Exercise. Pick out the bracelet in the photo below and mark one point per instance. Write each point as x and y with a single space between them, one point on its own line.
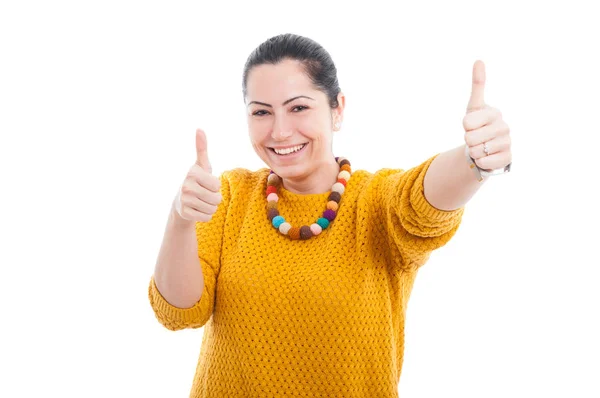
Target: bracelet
481 173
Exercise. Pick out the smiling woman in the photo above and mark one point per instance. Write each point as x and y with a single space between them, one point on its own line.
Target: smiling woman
294 104
312 289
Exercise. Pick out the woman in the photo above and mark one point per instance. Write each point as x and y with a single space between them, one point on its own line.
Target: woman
301 272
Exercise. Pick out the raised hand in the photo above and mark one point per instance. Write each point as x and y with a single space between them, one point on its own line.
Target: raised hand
199 195
486 134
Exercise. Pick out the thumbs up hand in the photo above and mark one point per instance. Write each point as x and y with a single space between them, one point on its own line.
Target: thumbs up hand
486 134
199 195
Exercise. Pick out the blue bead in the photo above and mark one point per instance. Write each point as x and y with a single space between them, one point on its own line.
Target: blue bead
323 222
277 221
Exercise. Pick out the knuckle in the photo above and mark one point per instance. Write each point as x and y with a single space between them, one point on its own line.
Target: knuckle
465 122
472 152
185 189
216 183
205 217
469 140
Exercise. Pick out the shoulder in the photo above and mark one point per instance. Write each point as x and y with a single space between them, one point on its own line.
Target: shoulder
364 179
386 173
241 178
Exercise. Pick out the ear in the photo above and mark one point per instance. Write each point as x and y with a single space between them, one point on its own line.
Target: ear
338 112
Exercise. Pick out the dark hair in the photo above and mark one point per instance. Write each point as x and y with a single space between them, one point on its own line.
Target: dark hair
316 61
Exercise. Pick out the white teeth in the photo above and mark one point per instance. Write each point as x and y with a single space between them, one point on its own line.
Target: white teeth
288 150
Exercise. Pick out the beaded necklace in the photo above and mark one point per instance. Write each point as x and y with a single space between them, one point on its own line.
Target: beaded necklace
333 202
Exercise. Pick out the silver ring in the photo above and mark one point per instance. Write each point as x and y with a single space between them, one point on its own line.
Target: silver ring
485 149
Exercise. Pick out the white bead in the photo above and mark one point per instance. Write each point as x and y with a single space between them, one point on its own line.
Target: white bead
272 197
338 187
344 174
285 227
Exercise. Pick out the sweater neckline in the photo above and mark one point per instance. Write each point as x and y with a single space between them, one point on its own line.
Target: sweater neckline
287 196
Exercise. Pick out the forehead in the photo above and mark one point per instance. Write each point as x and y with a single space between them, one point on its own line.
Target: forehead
284 80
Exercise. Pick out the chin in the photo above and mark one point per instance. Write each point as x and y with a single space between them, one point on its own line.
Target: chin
295 169
291 171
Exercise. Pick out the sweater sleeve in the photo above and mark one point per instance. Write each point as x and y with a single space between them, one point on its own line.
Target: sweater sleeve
413 227
210 241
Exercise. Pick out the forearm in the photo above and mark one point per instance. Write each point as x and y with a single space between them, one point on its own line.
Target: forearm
178 274
449 182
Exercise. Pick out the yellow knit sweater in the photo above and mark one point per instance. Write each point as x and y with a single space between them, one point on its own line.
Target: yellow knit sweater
322 317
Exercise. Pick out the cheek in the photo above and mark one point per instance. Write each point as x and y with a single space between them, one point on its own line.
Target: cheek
314 128
258 132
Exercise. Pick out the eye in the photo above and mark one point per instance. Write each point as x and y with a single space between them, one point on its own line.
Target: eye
302 107
261 112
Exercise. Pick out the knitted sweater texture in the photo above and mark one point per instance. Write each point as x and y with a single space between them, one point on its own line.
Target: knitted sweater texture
322 317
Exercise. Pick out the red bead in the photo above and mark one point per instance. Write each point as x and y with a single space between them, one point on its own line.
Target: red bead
342 181
271 189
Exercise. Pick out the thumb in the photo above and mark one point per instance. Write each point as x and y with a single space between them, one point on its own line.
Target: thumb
476 101
202 151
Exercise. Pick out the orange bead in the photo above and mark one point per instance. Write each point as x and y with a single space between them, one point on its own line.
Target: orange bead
347 168
331 205
294 233
342 181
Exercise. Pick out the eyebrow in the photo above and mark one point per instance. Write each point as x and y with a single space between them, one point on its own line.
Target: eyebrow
284 103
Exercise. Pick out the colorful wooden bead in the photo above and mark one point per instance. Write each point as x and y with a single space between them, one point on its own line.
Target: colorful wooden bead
323 222
272 213
316 229
329 214
285 228
277 221
344 174
305 232
294 233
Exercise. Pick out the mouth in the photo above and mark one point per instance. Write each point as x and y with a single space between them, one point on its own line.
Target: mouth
290 151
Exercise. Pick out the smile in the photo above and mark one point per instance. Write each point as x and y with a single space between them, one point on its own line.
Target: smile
290 150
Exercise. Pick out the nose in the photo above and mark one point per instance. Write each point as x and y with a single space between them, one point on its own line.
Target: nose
282 129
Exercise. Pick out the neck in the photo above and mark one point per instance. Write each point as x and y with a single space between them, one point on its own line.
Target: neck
319 181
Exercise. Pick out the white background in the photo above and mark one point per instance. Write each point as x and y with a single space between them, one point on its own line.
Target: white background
99 102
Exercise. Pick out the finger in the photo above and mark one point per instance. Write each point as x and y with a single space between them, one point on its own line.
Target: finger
485 133
477 88
192 214
476 119
498 144
199 205
214 198
495 161
202 151
205 179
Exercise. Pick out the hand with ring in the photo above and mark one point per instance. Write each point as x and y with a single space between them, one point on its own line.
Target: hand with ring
486 134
